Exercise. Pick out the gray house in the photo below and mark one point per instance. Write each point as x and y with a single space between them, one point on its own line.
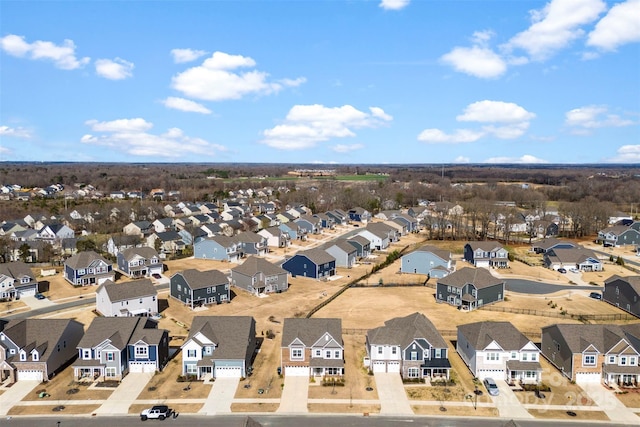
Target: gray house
362 245
197 288
623 292
221 248
581 258
545 245
409 345
259 276
469 288
252 243
428 260
344 252
219 346
16 280
486 254
135 298
139 262
620 235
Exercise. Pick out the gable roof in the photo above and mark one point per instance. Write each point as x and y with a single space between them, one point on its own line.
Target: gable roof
143 251
632 281
551 242
197 279
41 334
481 334
317 256
579 337
440 253
231 334
121 331
342 244
253 265
84 259
16 270
308 331
128 290
479 277
363 241
403 330
487 246
571 255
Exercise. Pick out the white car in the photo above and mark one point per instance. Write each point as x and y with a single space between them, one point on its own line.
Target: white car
491 386
158 412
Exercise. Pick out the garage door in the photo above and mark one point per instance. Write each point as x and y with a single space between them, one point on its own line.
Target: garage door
393 367
30 376
28 292
379 367
140 367
297 371
228 372
588 377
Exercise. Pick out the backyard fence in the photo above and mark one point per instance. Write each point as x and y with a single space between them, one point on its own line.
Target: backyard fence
560 315
446 333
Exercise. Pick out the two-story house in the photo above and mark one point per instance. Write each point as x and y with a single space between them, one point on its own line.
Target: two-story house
139 262
620 235
35 349
500 351
486 254
594 353
428 260
219 346
252 243
221 248
196 288
276 237
259 276
359 214
119 242
314 263
114 346
623 292
362 245
88 268
17 280
581 258
345 253
409 345
312 347
469 288
135 298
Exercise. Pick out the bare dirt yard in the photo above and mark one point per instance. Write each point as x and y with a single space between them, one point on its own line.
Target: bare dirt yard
254 407
165 385
265 375
630 399
334 408
64 387
453 410
558 414
52 409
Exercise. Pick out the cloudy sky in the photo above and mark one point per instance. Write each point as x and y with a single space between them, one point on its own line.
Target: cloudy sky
391 81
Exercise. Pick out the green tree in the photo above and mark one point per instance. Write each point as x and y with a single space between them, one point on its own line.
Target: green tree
25 252
85 245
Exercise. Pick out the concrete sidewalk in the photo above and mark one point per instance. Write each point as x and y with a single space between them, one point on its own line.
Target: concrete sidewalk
609 403
295 395
125 395
508 404
393 399
15 394
221 396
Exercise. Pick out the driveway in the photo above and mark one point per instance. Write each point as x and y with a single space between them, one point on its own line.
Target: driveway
15 394
523 286
35 303
508 404
393 398
221 396
126 393
607 401
295 395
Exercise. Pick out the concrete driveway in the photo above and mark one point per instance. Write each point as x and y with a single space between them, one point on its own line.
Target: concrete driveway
508 404
15 394
221 396
35 303
125 395
393 399
609 403
295 395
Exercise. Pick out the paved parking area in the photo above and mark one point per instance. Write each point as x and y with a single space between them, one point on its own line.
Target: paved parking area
221 396
607 401
295 395
508 404
393 399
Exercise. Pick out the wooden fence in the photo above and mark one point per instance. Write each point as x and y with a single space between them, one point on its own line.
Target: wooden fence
560 315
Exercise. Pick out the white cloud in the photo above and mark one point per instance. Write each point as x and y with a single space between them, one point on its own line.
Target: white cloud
120 125
621 25
503 120
63 56
436 136
18 132
477 61
307 125
584 119
215 79
394 4
186 55
462 159
185 105
116 69
555 26
344 148
130 136
627 154
526 159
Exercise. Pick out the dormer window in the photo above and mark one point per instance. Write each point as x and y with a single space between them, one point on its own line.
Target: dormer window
86 354
25 280
23 356
34 356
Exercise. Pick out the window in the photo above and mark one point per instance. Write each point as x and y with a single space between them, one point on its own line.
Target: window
336 354
534 357
413 372
191 353
623 360
142 351
318 353
179 288
379 349
525 357
192 369
110 372
612 359
207 350
81 272
413 355
394 350
493 356
86 354
109 356
514 355
327 354
589 360
23 356
617 291
556 344
632 361
296 353
438 353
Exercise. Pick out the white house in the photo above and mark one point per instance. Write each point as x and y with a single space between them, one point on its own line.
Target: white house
136 298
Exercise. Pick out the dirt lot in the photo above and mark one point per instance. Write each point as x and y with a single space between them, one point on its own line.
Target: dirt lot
165 385
63 387
562 415
254 407
453 410
49 410
265 375
334 408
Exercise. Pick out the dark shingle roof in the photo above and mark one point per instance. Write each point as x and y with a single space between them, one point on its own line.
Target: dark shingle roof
317 256
479 277
41 334
440 253
486 246
633 281
481 334
143 251
230 334
16 270
84 259
403 330
128 290
120 331
603 337
197 279
253 265
310 330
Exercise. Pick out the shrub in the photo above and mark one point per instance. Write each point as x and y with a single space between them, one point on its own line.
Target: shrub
270 334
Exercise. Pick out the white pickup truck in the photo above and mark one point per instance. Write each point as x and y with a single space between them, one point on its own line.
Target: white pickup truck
158 412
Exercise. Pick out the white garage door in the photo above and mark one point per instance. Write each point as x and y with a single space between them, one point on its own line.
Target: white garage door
393 367
140 367
587 377
297 371
228 372
30 376
379 367
29 292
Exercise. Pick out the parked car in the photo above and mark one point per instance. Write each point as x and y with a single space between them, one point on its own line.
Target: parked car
158 412
562 270
491 386
595 295
574 270
156 276
40 296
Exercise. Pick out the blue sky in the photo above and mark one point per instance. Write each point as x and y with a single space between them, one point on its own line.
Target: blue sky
392 81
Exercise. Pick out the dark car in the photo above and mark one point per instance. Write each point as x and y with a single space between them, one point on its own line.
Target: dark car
595 295
156 276
562 270
40 296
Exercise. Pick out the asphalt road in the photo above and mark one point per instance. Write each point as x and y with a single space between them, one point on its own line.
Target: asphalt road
523 286
287 421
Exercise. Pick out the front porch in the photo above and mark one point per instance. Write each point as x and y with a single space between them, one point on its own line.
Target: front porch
326 367
523 372
621 376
